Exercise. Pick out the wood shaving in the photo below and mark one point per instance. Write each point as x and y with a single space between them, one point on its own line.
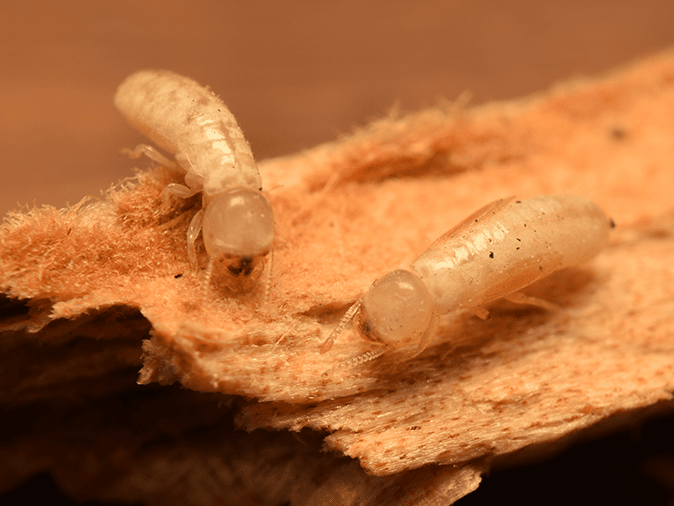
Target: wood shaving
84 285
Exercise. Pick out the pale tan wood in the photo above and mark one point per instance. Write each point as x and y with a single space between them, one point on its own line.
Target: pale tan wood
352 210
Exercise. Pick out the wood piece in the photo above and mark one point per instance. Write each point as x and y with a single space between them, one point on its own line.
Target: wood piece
352 210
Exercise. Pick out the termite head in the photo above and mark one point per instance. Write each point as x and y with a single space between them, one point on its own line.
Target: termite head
238 228
397 310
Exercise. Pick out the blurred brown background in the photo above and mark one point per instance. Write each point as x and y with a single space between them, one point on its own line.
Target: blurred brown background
294 74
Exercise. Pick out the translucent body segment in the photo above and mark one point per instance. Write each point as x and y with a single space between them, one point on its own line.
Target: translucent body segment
509 244
397 309
189 121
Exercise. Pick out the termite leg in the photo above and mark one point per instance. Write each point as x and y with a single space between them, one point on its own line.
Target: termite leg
152 154
520 298
325 347
177 190
480 312
192 234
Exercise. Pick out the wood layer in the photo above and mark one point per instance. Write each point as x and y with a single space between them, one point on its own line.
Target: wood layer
348 212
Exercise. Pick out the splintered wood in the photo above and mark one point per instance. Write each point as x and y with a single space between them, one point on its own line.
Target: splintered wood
83 286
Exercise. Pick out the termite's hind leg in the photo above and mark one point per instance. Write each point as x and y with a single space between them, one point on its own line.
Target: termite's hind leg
520 298
193 232
177 190
480 312
152 154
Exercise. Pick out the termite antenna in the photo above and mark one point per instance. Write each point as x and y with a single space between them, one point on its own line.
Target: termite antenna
151 153
267 282
360 359
343 322
209 273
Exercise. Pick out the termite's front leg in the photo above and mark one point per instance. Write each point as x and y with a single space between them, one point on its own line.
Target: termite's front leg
192 233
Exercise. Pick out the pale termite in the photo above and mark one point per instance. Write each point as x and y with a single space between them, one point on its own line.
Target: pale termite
193 124
500 249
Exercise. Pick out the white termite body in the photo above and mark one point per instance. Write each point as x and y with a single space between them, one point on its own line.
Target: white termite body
500 249
193 124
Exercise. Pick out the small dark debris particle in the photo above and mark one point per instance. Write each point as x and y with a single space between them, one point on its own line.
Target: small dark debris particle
611 223
618 133
178 276
491 254
366 328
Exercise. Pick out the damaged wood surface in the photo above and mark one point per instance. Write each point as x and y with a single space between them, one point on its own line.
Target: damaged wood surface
348 212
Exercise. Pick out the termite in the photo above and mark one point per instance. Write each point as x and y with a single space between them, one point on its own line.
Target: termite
194 125
495 252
